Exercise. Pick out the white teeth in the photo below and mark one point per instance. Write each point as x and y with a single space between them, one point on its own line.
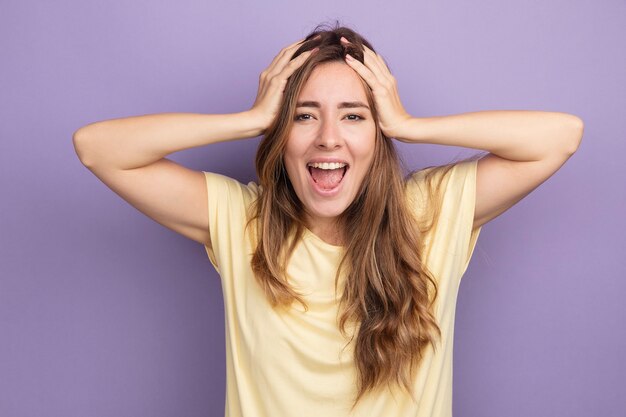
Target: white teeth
327 165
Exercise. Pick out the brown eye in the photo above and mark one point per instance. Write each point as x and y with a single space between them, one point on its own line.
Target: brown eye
300 116
357 117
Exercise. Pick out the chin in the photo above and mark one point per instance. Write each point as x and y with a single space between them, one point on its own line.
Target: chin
326 211
326 214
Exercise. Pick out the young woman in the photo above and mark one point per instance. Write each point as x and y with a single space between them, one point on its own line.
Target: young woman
372 260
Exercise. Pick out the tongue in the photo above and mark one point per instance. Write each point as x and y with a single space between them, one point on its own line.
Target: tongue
327 178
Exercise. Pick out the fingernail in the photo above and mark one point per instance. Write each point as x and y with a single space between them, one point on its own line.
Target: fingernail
314 50
349 57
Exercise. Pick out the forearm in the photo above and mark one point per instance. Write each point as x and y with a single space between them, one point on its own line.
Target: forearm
520 135
132 142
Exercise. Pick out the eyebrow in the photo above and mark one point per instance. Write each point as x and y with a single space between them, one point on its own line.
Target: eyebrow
342 105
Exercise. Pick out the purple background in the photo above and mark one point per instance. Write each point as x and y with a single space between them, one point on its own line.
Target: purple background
103 312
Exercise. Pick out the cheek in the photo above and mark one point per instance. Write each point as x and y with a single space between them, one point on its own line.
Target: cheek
364 148
291 166
295 149
295 146
368 147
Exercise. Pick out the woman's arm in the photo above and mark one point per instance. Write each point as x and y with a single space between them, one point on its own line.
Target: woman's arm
515 135
128 154
134 142
521 135
525 147
137 141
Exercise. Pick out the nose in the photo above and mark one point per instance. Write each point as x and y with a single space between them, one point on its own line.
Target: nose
329 137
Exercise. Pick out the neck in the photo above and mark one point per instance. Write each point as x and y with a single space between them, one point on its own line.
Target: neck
328 230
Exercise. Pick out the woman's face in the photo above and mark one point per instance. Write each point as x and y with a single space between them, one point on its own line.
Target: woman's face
330 147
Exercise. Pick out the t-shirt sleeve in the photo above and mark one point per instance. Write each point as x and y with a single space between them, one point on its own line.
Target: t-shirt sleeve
450 242
228 204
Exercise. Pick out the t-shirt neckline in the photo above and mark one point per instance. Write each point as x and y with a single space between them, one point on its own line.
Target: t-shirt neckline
312 236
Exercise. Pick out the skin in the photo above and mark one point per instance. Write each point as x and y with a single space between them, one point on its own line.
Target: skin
347 134
129 154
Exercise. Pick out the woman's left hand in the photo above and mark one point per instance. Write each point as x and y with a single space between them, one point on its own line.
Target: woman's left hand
391 113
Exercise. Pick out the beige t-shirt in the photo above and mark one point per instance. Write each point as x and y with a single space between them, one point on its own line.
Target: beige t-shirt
286 364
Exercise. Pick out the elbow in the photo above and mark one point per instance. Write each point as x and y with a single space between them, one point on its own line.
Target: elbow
78 138
575 133
80 141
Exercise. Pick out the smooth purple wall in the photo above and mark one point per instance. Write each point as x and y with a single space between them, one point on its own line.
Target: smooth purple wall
103 312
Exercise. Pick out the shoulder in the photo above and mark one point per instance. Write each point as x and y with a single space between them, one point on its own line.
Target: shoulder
222 186
440 187
230 199
446 176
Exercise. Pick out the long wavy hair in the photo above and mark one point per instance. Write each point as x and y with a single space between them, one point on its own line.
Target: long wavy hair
389 292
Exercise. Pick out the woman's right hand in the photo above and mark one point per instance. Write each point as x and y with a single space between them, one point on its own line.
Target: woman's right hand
273 80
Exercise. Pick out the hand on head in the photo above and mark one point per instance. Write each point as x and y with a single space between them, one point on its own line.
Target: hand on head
374 70
392 116
273 79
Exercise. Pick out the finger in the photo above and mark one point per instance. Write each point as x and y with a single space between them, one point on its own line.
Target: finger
282 53
295 63
284 57
277 82
375 58
381 62
374 62
279 79
279 57
377 63
366 73
294 45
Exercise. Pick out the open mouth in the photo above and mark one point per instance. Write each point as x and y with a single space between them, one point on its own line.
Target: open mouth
327 175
